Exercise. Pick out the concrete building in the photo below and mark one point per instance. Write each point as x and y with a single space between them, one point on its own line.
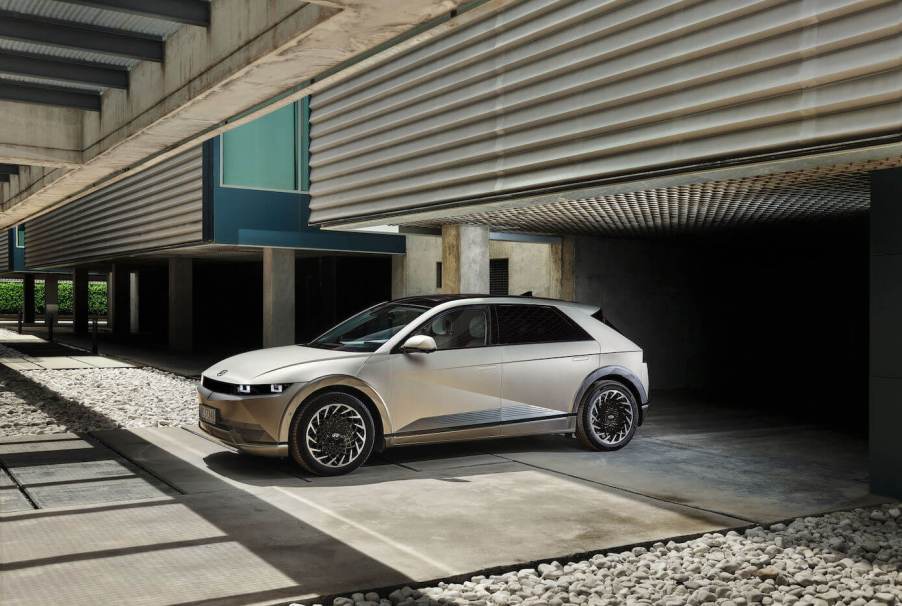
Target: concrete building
722 178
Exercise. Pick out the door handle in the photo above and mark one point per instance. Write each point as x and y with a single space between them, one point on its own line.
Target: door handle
579 358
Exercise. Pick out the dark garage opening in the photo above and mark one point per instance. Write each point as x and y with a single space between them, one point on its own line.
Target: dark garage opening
769 317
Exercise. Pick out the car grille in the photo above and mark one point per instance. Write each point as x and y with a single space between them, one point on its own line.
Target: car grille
219 386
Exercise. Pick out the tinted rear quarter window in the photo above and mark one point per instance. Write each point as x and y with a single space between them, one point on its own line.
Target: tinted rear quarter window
520 324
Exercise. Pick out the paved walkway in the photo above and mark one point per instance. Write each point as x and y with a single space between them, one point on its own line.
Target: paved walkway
223 528
34 353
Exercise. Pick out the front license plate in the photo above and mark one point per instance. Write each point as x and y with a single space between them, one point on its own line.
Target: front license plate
208 414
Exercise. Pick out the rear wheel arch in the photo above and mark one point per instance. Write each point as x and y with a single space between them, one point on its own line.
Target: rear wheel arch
617 373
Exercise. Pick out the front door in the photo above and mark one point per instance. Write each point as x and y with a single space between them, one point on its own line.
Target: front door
454 391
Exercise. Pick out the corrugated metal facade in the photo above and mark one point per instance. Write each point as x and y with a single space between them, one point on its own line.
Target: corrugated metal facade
548 92
157 208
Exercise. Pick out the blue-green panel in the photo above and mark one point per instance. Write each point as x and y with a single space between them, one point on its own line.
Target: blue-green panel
259 217
263 154
17 256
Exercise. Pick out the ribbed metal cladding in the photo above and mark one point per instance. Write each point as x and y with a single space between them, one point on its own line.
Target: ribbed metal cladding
549 92
158 208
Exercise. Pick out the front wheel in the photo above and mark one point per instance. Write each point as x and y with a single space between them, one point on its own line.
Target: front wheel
607 417
332 435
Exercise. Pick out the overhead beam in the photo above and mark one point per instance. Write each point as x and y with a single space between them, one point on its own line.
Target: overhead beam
55 32
192 12
9 169
69 70
49 95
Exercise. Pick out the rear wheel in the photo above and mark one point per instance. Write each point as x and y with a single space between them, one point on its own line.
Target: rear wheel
332 435
607 417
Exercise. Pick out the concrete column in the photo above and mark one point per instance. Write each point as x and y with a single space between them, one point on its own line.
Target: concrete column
181 303
80 306
119 307
563 269
398 276
465 259
278 297
885 406
28 299
134 300
51 291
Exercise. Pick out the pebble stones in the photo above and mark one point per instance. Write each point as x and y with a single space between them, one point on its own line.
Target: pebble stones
852 557
80 400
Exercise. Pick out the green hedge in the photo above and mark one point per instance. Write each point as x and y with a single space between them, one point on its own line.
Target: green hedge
12 297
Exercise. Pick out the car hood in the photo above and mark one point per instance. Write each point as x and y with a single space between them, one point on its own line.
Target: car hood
252 365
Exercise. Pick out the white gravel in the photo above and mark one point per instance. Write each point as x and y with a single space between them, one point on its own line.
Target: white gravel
841 558
79 400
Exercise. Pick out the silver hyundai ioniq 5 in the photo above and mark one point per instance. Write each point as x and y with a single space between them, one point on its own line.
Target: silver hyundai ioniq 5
430 369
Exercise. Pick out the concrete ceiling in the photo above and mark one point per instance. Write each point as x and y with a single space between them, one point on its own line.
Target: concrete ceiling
69 136
802 195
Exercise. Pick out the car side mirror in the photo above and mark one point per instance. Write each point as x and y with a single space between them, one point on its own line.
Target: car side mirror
419 344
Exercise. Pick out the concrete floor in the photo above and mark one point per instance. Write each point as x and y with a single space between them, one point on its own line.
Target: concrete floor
194 523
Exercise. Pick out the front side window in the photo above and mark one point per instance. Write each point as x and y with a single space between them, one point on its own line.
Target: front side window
263 154
458 328
369 329
520 324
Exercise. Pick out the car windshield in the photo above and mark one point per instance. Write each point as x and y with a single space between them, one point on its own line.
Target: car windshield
369 329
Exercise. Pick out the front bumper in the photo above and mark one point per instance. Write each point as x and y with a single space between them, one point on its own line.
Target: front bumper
230 439
250 424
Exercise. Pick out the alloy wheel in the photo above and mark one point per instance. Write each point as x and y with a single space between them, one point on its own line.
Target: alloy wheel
611 416
336 435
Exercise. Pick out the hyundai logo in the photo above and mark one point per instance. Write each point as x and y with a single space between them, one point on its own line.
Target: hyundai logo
221 372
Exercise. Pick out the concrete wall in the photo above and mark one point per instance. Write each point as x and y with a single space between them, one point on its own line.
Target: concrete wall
531 266
768 317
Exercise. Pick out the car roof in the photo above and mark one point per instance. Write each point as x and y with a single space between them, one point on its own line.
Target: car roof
439 299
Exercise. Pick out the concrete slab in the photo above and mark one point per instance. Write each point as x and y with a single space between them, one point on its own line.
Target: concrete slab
12 500
90 493
72 472
102 362
5 480
21 365
59 363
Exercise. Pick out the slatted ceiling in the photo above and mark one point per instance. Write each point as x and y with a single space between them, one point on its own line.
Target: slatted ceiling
154 209
830 191
546 92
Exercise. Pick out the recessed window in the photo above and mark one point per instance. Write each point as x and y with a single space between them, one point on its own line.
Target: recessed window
20 236
438 274
499 277
266 153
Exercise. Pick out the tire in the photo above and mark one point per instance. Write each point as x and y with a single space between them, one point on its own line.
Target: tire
606 432
341 425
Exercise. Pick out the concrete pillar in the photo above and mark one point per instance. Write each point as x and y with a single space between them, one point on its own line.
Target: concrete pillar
398 276
119 308
51 291
181 303
278 297
28 299
563 269
885 401
465 259
80 306
134 300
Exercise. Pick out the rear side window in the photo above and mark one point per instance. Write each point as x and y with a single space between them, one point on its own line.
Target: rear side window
520 324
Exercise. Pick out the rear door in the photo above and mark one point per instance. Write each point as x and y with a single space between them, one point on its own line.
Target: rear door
455 388
546 357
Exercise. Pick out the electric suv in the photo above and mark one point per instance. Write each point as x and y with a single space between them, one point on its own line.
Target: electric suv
430 369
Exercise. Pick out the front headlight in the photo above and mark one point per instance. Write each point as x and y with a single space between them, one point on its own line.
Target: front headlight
262 389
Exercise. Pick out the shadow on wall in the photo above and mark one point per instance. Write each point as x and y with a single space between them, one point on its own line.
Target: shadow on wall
775 316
